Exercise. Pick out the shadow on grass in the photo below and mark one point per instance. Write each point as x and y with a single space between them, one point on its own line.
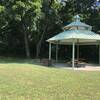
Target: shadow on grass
17 60
9 60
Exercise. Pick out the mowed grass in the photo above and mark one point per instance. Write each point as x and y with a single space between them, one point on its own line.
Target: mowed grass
33 82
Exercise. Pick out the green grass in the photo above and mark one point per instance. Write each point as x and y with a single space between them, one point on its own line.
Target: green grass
32 82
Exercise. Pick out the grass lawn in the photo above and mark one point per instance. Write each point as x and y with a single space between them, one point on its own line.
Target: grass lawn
21 81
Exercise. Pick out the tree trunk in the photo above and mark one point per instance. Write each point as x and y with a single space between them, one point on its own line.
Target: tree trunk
38 47
26 42
27 50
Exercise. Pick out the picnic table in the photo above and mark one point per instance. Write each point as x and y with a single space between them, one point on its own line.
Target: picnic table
78 62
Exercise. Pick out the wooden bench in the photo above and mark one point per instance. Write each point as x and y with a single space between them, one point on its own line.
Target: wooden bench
46 62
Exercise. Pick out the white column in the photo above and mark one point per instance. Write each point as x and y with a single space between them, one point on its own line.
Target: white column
49 51
73 55
99 53
77 50
56 52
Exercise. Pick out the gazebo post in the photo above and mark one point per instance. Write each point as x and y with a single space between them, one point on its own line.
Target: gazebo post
73 55
56 52
99 53
49 51
77 50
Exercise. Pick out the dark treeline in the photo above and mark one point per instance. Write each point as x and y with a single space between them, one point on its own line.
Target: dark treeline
26 24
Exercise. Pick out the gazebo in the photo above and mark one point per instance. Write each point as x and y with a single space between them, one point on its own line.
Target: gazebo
76 33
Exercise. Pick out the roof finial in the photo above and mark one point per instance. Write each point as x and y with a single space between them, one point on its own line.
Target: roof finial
77 18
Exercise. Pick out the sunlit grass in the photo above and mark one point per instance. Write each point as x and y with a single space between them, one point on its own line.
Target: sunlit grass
33 82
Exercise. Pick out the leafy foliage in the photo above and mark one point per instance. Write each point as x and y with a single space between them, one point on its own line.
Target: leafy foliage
26 24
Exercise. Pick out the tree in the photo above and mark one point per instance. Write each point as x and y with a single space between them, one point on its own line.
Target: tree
3 24
48 21
26 24
25 14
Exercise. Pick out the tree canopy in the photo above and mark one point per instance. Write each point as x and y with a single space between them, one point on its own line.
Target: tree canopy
26 24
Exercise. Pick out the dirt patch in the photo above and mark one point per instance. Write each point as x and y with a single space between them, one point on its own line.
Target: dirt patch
89 68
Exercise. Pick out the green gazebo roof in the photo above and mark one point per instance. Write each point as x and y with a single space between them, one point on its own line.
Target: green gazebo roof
77 24
82 36
78 32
